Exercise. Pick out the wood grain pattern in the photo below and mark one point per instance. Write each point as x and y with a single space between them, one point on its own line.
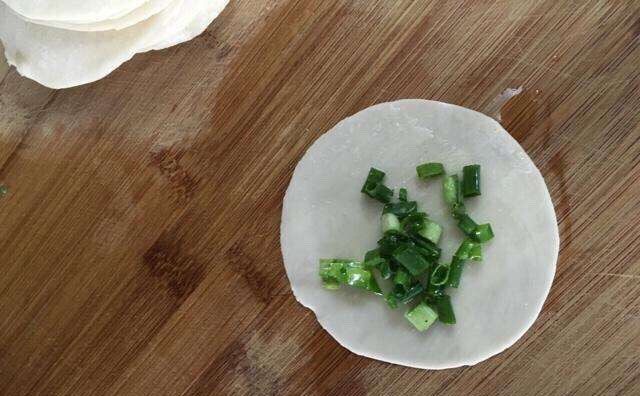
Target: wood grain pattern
139 241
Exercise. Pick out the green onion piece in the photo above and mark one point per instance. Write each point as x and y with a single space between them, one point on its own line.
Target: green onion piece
401 209
374 176
391 300
402 279
431 231
471 181
403 195
412 293
390 242
435 291
380 193
431 169
373 286
476 252
469 249
386 272
467 225
421 316
440 275
428 249
444 309
358 277
333 272
411 259
372 259
450 189
455 272
483 233
414 222
458 210
390 222
374 188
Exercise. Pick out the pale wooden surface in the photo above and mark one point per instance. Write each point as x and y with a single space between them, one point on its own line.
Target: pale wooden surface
139 239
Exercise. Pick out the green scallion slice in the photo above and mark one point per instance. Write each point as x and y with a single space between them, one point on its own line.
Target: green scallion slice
445 309
421 316
372 259
402 279
431 169
450 186
401 209
440 275
390 222
403 195
415 291
483 233
411 259
471 181
476 252
431 231
455 272
391 300
374 188
467 225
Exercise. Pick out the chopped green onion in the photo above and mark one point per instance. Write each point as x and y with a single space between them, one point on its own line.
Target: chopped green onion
455 272
427 248
458 210
445 310
435 291
380 193
391 300
401 209
402 279
430 169
414 222
374 188
358 277
469 250
402 195
390 222
450 189
471 181
390 242
431 231
334 272
467 225
440 275
421 316
374 176
412 293
476 252
483 233
411 259
386 272
372 259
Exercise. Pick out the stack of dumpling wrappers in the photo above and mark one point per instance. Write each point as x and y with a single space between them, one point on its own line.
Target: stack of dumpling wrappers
64 43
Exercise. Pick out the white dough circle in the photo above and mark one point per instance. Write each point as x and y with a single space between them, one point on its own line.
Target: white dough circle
76 11
147 10
59 58
325 216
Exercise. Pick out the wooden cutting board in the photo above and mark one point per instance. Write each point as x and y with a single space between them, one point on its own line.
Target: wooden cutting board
139 237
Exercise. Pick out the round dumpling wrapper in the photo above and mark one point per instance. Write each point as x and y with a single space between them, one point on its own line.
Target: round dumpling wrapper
326 216
188 26
75 11
60 58
148 9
